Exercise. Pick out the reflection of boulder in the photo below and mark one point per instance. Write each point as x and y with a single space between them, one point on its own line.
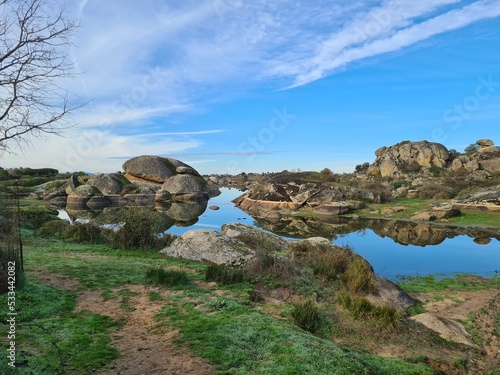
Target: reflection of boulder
482 240
186 211
408 233
81 195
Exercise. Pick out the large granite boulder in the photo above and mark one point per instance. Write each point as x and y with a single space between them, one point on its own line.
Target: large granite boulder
407 157
186 187
156 168
109 183
486 146
209 245
180 180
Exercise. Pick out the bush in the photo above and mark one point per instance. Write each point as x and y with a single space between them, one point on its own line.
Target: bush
53 228
160 276
306 316
223 275
141 228
32 217
362 167
84 233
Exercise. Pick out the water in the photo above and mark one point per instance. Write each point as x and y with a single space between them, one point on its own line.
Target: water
392 247
452 253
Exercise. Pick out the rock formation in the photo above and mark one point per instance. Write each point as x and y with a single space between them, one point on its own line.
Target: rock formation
323 198
237 244
408 156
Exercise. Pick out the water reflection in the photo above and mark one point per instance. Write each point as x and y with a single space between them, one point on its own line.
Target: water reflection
400 231
181 214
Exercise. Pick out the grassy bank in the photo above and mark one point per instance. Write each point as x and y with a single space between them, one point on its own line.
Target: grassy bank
218 323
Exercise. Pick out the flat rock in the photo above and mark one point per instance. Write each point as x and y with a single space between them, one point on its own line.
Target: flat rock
448 329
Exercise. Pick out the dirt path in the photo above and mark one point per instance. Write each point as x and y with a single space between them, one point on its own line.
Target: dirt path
142 349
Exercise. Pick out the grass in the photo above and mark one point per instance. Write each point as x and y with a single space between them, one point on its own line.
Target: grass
52 339
223 275
240 340
435 283
306 315
160 276
467 218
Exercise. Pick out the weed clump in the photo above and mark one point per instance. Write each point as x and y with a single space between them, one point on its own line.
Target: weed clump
223 274
306 316
360 308
358 276
160 276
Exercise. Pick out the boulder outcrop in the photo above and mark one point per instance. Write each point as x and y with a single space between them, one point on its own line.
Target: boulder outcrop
407 157
323 198
108 183
237 245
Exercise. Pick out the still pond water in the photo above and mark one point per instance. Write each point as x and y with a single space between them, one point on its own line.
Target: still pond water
393 248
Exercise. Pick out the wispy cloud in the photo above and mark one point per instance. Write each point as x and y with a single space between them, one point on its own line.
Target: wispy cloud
159 57
379 31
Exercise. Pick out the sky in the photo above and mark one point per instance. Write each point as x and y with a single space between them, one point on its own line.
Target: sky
231 86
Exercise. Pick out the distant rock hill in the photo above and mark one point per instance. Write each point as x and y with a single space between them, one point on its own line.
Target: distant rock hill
407 157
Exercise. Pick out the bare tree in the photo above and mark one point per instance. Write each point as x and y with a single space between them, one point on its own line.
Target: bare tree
34 64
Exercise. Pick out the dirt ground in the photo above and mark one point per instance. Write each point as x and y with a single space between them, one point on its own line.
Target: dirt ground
144 350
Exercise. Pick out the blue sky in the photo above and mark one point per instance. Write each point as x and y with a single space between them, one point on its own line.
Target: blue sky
231 85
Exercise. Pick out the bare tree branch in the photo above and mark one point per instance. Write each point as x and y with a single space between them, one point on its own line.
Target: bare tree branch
34 43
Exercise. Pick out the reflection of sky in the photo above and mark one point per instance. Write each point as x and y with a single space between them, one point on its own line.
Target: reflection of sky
389 259
214 219
455 255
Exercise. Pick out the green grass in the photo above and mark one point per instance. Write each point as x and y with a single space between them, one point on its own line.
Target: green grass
240 340
223 275
52 339
476 218
435 283
160 276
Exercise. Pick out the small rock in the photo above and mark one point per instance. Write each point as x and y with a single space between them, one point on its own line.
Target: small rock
214 208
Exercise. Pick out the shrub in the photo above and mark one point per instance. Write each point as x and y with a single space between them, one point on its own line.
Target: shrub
306 316
362 167
331 264
83 233
32 217
140 229
53 228
361 308
358 276
223 275
160 276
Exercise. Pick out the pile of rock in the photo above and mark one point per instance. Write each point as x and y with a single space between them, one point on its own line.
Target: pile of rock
408 156
146 180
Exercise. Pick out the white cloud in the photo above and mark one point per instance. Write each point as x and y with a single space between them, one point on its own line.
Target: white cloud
95 151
